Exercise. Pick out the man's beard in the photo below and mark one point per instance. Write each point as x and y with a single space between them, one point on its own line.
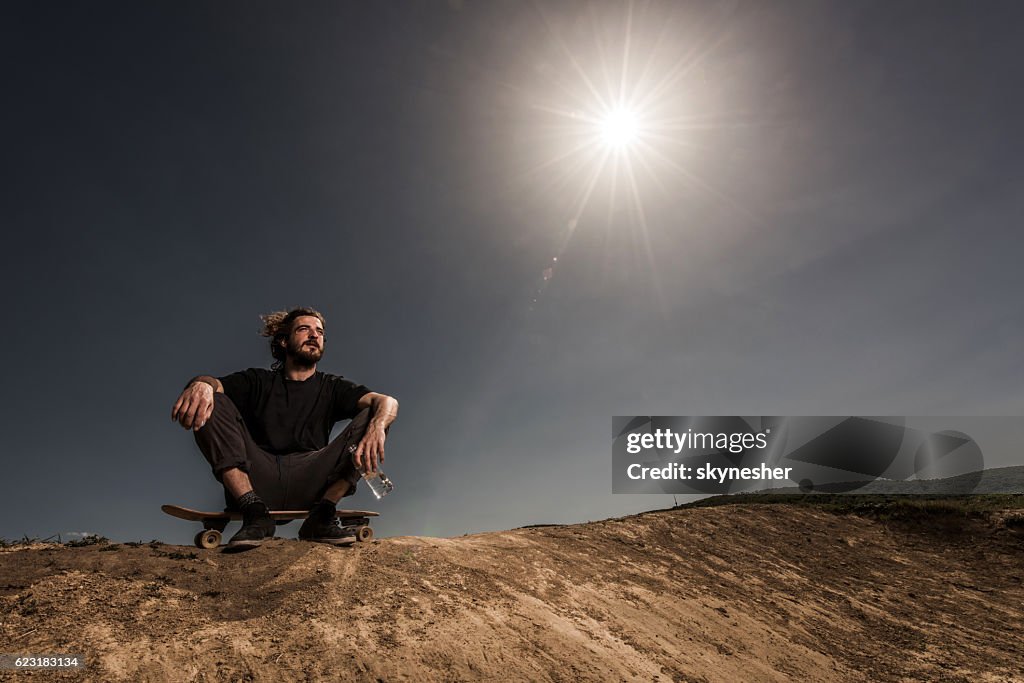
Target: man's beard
304 355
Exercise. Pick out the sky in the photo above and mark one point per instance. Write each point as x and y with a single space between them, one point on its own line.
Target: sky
819 215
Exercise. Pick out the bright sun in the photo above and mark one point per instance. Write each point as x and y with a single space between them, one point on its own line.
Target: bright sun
629 116
619 128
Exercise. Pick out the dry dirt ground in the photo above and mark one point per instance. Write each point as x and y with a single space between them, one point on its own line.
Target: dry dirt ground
731 593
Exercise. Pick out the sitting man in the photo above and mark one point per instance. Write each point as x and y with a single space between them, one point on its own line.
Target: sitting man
265 432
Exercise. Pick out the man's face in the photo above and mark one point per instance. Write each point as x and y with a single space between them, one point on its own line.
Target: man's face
305 345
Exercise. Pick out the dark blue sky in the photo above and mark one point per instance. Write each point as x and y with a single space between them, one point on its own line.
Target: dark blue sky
833 229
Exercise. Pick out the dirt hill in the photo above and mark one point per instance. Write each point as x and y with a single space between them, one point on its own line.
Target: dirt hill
729 593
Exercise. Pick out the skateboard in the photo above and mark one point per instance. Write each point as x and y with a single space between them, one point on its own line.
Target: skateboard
215 522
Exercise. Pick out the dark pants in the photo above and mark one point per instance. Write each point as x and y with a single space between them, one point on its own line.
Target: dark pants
284 482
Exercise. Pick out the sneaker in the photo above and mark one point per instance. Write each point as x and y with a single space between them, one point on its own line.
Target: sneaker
257 526
322 526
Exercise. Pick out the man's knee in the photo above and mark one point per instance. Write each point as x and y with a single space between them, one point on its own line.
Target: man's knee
222 401
361 420
354 431
224 409
224 421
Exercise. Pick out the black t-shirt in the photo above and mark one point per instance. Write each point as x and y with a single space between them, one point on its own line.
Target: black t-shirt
288 416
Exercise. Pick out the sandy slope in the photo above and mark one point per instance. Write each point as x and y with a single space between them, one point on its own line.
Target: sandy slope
719 594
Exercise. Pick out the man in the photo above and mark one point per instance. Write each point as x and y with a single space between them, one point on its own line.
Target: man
265 432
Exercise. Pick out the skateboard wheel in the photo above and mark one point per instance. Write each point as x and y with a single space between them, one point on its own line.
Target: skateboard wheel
207 538
364 533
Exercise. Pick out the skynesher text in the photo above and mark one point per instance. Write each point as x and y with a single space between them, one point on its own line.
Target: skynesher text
708 473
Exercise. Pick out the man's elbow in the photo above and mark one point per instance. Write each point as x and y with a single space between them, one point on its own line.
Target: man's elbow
389 403
389 400
375 400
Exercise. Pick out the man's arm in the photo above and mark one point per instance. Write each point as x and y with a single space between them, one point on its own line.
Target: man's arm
383 411
193 407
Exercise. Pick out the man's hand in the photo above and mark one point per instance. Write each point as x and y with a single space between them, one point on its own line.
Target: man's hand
194 406
370 451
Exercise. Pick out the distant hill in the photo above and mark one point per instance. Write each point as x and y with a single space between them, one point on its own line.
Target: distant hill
999 480
728 593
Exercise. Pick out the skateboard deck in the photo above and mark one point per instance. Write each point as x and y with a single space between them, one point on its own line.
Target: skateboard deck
215 522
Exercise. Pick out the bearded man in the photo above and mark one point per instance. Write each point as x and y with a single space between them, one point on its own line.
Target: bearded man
265 433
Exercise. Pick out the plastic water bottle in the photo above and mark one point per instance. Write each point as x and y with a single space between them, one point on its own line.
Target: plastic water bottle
378 483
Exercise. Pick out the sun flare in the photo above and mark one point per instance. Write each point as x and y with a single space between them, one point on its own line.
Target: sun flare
619 128
633 105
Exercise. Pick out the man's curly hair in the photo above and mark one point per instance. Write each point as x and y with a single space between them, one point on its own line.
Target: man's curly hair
278 325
